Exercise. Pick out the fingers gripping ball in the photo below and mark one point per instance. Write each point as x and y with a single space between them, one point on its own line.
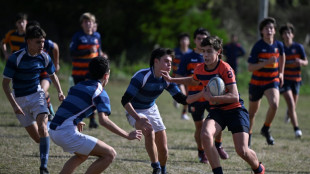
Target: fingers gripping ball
216 86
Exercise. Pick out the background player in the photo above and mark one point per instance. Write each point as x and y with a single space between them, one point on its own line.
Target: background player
82 100
266 62
180 52
15 38
85 45
295 58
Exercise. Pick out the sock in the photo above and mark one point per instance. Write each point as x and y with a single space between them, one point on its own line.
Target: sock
156 165
218 144
163 169
201 151
44 150
266 127
296 128
184 111
258 170
217 170
92 118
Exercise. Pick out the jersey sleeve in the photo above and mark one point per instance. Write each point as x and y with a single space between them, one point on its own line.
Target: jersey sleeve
173 89
302 52
48 45
50 68
281 48
102 103
7 37
228 75
10 67
254 54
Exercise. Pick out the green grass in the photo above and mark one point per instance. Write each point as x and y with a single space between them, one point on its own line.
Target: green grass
20 154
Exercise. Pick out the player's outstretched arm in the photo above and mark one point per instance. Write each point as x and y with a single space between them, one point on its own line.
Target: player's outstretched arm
256 66
110 125
55 81
179 80
56 56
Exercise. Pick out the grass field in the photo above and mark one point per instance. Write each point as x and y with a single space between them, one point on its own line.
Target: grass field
20 154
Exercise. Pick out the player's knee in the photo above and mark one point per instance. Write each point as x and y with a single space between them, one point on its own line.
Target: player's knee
148 133
206 135
111 155
274 105
82 158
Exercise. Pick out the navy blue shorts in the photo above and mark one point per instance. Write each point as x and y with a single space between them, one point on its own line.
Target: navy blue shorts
291 85
257 92
237 120
197 110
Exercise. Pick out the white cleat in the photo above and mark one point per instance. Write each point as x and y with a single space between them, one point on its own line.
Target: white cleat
298 133
184 117
287 119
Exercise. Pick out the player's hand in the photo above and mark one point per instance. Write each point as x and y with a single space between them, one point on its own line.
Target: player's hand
144 124
297 62
57 67
272 60
61 96
166 76
18 110
207 94
93 49
80 126
281 79
137 134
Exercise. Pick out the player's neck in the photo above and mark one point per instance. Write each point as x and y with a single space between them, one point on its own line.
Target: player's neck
157 72
21 32
32 52
88 32
269 40
184 49
288 43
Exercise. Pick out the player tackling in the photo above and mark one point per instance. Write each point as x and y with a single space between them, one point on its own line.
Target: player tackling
225 110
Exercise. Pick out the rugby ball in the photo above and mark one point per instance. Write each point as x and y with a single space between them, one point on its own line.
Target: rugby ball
216 86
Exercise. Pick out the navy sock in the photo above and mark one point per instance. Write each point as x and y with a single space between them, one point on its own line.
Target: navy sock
258 170
217 170
296 128
163 169
44 150
217 144
265 128
156 165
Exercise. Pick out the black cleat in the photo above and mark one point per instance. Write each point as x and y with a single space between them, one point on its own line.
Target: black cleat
157 171
267 135
43 171
93 124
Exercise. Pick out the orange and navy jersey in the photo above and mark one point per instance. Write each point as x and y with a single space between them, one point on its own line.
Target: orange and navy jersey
186 69
292 72
262 52
15 40
178 56
80 51
224 71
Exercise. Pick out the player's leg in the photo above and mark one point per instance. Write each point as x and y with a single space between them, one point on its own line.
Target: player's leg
295 91
162 148
73 163
241 145
288 96
44 140
218 144
106 156
184 115
210 129
45 82
272 95
33 132
253 108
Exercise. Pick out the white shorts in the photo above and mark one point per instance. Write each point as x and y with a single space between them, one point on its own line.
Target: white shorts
152 114
32 105
71 140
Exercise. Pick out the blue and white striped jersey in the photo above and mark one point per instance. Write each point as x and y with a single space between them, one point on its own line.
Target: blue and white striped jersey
144 88
82 100
24 70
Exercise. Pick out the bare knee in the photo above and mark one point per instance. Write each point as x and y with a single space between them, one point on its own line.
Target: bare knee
274 105
206 136
242 152
110 155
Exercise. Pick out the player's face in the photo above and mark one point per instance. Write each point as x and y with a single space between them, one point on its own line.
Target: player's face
199 38
21 25
184 42
106 79
36 45
210 55
165 63
87 26
287 36
268 31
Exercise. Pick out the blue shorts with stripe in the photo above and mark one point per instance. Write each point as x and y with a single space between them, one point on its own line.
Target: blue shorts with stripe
237 120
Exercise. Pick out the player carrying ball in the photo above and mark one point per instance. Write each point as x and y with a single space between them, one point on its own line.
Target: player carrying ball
228 110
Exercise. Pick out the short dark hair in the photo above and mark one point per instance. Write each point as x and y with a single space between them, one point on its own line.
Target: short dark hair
32 23
33 32
286 27
266 21
97 67
21 16
213 41
160 52
201 31
183 35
